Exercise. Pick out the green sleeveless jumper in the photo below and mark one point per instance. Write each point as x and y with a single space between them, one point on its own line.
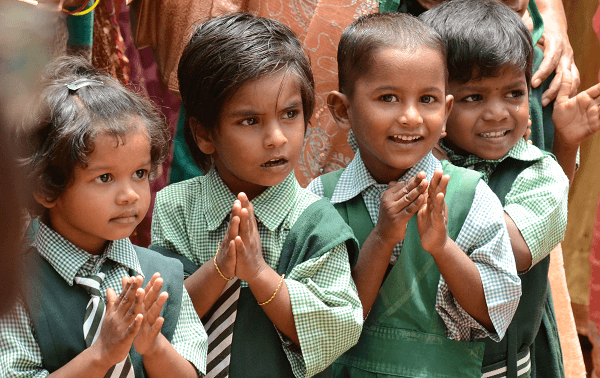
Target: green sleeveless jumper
403 336
533 329
57 309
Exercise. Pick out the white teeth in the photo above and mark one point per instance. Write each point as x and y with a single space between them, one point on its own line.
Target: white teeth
494 134
406 137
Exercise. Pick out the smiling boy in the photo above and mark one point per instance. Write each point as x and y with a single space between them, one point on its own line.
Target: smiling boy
490 59
430 283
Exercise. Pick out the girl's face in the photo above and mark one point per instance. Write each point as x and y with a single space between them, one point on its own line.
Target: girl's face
260 134
107 199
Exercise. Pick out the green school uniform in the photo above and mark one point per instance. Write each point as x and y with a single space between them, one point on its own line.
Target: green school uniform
403 336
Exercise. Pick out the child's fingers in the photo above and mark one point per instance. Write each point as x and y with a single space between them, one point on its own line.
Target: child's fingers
156 326
124 281
564 90
152 292
594 91
128 282
434 183
134 327
154 311
443 185
240 248
111 297
130 298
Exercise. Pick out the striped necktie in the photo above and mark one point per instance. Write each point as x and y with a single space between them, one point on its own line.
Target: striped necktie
92 321
218 323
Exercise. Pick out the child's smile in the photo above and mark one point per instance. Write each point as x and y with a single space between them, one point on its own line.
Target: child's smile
260 134
107 199
398 109
489 115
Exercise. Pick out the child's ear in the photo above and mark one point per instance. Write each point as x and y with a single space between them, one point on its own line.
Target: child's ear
428 4
202 137
449 103
39 198
339 106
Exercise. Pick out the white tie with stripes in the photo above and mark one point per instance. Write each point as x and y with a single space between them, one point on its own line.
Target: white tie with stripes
92 322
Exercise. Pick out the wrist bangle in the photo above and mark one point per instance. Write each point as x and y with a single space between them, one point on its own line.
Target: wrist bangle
275 293
216 266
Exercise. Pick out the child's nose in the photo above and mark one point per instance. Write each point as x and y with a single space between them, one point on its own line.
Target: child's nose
274 136
127 194
495 111
411 116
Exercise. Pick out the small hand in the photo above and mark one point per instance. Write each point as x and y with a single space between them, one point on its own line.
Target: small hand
154 300
226 258
122 322
398 204
250 260
576 118
432 218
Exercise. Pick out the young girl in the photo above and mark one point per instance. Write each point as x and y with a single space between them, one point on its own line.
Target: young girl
273 285
89 158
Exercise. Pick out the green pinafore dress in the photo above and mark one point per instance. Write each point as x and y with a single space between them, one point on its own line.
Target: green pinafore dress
403 336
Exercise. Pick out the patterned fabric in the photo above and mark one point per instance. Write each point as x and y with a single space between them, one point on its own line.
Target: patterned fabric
219 327
483 237
537 201
108 49
21 356
191 217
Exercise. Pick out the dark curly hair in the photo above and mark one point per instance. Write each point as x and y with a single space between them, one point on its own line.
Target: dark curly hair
64 123
223 54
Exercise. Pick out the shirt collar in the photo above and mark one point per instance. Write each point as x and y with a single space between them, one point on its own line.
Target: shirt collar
68 259
217 201
356 178
522 150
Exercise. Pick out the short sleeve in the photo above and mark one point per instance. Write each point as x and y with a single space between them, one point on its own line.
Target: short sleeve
190 339
484 238
323 298
21 356
537 203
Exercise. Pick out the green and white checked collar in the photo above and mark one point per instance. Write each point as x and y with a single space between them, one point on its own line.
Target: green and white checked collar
356 178
217 200
68 259
520 151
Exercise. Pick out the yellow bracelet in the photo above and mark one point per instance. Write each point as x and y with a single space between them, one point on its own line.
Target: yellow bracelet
216 266
275 293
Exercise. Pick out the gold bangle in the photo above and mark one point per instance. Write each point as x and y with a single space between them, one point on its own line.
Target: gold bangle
216 266
275 293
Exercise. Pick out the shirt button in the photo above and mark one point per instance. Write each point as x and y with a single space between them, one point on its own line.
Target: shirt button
393 260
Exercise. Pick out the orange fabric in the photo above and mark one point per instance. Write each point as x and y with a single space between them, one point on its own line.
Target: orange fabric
569 340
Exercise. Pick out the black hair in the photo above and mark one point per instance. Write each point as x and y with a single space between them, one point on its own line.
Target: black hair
376 31
482 37
223 54
78 103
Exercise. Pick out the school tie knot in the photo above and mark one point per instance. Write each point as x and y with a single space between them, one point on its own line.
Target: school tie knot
91 283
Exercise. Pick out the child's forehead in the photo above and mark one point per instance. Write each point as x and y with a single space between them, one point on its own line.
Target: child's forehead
508 74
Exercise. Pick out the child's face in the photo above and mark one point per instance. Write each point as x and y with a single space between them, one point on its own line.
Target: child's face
490 114
107 199
398 110
260 134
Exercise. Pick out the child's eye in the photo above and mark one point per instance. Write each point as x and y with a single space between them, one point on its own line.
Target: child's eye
249 121
103 178
427 99
141 174
291 114
516 94
473 98
389 98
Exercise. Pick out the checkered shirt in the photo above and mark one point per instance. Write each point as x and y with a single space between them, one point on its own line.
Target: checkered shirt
483 237
191 218
537 201
21 356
